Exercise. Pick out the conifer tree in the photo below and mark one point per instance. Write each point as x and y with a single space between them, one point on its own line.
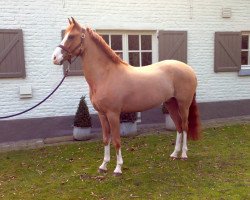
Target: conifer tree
82 117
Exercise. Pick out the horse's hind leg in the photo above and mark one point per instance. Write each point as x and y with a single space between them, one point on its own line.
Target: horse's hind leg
173 109
184 111
106 141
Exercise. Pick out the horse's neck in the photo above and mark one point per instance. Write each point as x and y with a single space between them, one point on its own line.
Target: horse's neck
95 64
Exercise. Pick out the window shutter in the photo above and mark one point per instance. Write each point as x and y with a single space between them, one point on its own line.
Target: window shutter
75 67
11 54
227 50
173 45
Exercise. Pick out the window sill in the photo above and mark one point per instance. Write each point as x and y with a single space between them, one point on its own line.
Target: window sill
244 72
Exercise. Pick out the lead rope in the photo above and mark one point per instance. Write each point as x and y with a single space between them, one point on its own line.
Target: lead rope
60 83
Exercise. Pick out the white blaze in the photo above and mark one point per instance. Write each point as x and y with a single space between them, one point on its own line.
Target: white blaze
57 54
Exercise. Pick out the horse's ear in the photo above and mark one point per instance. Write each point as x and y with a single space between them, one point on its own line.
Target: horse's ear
70 22
73 20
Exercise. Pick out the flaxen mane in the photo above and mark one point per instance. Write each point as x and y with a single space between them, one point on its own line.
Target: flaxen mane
103 45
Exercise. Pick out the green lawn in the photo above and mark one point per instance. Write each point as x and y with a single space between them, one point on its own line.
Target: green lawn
217 168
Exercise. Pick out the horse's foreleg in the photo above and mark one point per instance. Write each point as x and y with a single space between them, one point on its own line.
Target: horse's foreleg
103 167
119 162
114 122
106 141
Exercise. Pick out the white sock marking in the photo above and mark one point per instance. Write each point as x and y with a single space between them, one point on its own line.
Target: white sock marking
118 169
184 145
106 157
177 145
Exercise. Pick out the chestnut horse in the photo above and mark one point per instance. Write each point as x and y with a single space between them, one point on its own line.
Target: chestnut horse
116 87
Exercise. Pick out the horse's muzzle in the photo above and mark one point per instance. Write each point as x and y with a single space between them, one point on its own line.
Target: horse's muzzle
55 60
57 63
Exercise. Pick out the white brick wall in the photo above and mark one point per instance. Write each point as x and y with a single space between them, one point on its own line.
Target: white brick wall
42 22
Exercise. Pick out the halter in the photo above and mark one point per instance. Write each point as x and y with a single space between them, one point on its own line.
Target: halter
70 53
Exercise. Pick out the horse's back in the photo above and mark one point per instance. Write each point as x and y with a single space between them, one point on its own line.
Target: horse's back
172 69
173 66
178 76
166 65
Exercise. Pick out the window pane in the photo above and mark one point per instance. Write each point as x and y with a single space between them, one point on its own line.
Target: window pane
146 58
133 42
244 57
120 54
106 38
244 42
134 58
146 42
116 42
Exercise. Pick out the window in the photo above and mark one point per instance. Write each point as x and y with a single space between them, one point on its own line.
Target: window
245 50
140 50
12 63
115 42
232 52
137 48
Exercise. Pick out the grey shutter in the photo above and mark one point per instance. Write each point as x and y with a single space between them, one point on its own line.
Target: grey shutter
173 45
227 51
75 67
11 54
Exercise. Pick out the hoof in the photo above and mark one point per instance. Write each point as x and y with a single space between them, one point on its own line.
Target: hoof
184 158
174 158
102 171
116 174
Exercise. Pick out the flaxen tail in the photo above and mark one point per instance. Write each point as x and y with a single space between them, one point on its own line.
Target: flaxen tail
194 124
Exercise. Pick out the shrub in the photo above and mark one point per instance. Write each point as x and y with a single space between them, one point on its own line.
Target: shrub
128 117
82 117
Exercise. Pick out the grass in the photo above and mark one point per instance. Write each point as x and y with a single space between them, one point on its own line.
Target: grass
218 168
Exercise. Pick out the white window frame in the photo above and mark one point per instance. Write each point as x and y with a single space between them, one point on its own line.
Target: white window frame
248 65
125 34
126 51
140 51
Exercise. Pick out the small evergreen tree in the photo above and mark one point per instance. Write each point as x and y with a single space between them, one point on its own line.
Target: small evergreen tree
82 117
128 117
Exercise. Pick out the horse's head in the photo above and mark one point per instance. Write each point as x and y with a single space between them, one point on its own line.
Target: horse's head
71 45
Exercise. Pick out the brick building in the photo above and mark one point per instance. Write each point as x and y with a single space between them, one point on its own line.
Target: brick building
211 36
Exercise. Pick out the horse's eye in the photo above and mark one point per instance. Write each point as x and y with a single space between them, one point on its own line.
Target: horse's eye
71 37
